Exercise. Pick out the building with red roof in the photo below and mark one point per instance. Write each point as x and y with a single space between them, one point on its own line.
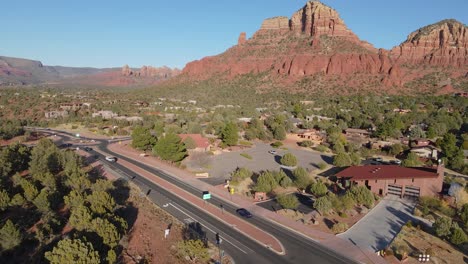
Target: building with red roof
202 143
394 179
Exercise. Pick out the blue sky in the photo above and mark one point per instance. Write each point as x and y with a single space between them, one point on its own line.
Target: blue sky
105 33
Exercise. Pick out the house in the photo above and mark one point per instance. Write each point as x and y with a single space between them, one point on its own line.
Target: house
311 118
202 144
312 135
70 106
425 152
244 119
352 132
420 142
295 121
106 114
380 144
56 114
395 180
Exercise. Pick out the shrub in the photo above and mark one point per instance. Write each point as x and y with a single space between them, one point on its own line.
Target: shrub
306 143
442 226
322 165
458 236
239 175
266 182
343 214
318 189
301 179
194 250
245 143
247 156
289 160
288 201
339 228
286 182
363 196
321 148
323 204
276 144
409 224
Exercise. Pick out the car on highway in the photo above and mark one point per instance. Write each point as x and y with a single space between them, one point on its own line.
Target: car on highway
111 158
272 152
397 162
244 213
87 149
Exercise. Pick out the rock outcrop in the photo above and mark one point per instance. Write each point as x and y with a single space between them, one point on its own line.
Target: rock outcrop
150 72
316 42
242 39
441 44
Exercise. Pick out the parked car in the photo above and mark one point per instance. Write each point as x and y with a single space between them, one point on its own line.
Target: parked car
111 158
87 149
378 159
244 213
272 152
397 162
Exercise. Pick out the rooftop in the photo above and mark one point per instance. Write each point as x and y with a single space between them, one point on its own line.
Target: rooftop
200 141
372 172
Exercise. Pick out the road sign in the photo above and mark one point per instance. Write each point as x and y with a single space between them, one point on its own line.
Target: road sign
206 195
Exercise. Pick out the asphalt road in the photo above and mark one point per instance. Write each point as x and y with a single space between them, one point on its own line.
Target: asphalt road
244 250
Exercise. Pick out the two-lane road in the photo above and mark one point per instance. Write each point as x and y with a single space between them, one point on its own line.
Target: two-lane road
299 249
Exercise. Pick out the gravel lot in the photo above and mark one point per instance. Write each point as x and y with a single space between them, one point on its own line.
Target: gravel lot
222 165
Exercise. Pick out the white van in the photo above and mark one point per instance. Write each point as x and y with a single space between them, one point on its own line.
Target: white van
111 158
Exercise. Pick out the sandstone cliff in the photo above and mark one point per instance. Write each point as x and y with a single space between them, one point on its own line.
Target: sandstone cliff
444 44
150 72
315 41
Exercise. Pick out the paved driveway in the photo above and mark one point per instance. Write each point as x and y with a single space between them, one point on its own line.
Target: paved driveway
224 164
378 228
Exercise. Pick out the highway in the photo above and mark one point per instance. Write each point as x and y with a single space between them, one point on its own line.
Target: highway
239 246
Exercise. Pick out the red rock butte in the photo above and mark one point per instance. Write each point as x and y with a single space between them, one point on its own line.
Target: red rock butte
315 41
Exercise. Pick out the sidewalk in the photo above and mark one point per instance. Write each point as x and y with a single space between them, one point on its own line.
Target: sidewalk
329 240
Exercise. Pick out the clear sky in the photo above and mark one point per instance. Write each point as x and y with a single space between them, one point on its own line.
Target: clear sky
111 33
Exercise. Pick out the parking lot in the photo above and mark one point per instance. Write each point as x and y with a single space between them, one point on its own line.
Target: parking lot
222 165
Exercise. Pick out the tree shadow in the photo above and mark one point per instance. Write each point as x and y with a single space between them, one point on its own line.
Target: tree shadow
327 159
330 172
129 213
121 191
278 159
194 231
328 222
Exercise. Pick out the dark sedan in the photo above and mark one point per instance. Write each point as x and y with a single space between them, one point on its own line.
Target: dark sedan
244 213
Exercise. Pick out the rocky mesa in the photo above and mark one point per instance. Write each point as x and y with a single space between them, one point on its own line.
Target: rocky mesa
316 43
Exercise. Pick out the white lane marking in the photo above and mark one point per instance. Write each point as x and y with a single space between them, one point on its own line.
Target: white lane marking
210 229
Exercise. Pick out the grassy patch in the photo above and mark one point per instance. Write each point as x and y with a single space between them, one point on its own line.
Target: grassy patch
247 156
245 143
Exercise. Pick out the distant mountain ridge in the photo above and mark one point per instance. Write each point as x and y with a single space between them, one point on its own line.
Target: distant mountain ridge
18 71
314 51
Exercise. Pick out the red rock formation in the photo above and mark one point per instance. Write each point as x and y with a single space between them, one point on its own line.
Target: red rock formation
150 72
443 44
316 41
242 39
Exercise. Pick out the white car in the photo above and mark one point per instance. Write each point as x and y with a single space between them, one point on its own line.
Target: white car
272 152
111 158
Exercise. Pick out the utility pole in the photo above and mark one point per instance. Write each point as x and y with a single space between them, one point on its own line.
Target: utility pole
218 242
